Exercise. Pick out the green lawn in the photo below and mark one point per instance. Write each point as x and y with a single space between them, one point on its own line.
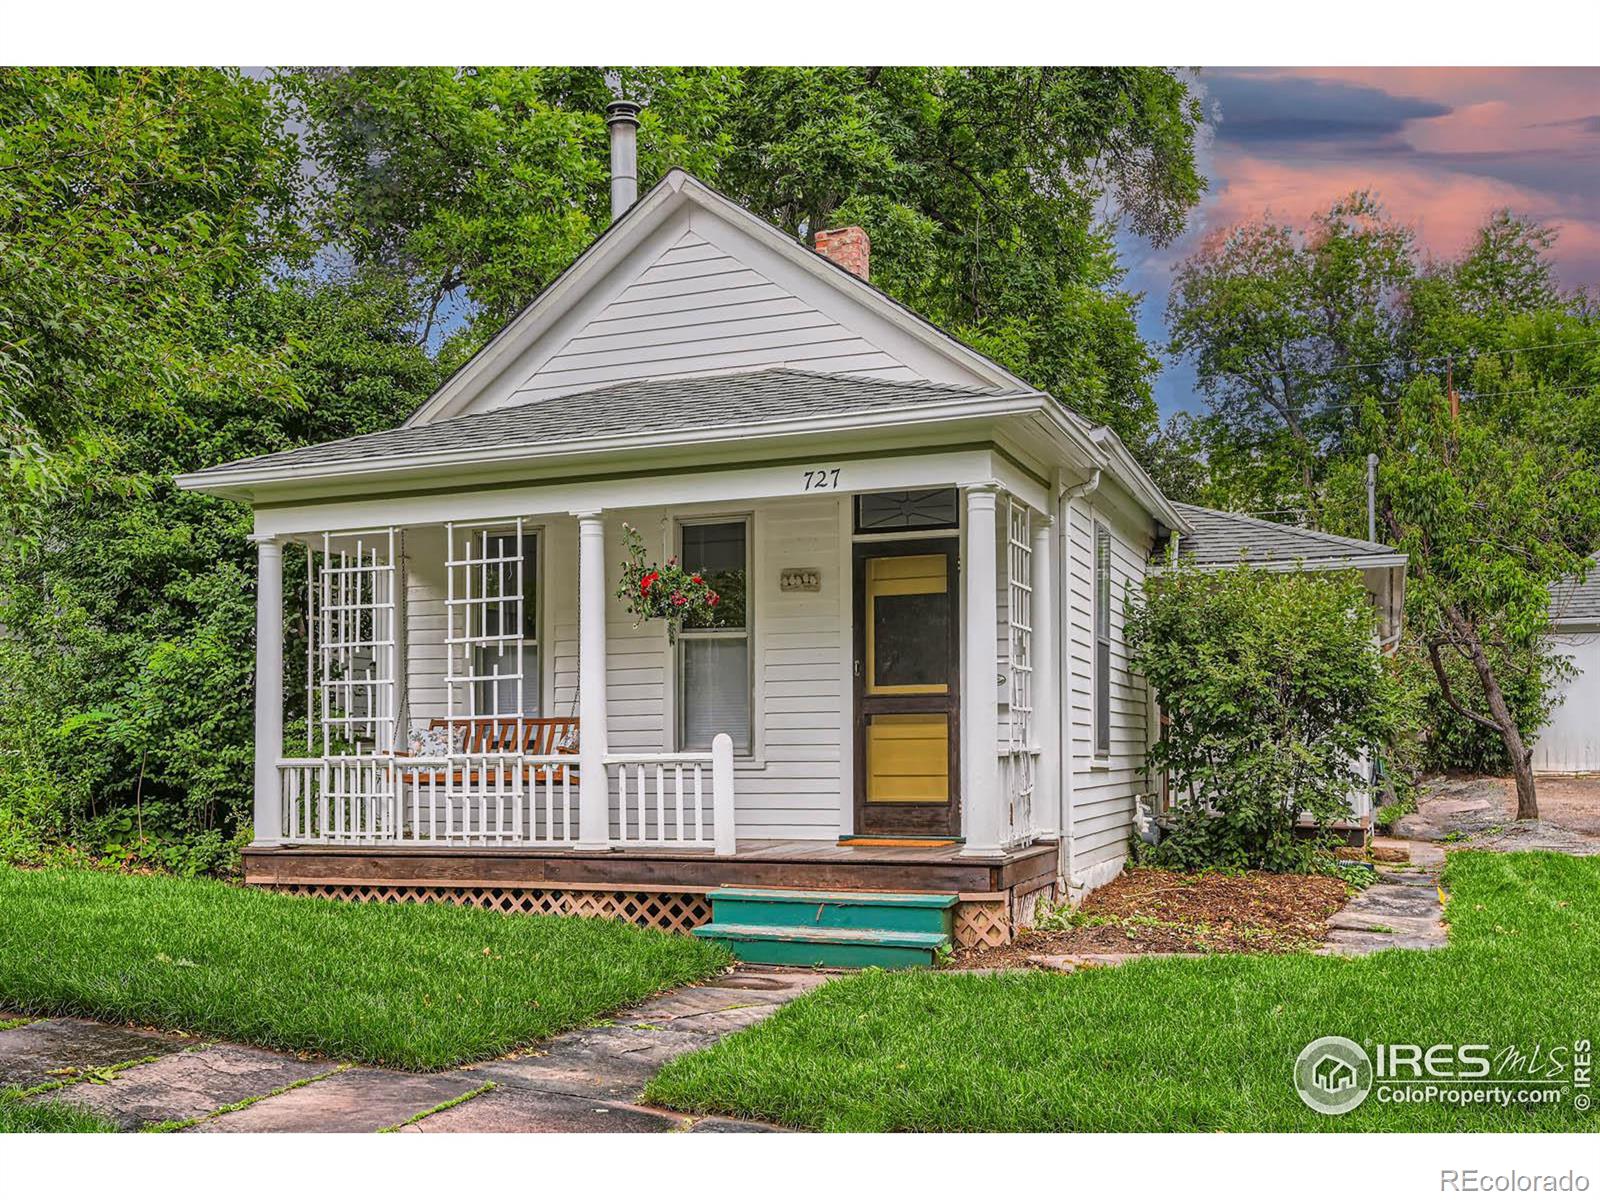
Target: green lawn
418 986
48 1116
1204 1044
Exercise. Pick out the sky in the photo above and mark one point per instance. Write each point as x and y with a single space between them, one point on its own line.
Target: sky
1441 146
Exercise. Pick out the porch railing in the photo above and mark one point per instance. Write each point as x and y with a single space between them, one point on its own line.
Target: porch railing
682 801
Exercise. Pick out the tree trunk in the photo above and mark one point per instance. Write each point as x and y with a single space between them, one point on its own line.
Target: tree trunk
1517 751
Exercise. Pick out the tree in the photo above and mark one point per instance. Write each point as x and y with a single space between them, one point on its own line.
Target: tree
982 189
1273 689
1492 508
1285 328
132 204
126 671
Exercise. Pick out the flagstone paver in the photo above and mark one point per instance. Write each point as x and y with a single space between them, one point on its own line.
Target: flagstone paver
526 1110
1404 910
358 1100
41 1051
581 1081
190 1084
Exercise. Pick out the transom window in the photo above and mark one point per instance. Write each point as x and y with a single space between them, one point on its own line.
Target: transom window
885 512
714 668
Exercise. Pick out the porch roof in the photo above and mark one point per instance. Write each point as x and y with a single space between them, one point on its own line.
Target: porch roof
1224 539
638 408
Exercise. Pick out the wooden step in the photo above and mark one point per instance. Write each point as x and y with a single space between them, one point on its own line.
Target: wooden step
910 912
820 946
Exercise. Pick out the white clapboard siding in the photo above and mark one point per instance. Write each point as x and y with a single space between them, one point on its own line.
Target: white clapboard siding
697 309
1104 792
1570 739
791 787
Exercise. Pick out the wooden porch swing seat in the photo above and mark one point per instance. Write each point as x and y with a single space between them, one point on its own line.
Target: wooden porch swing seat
498 735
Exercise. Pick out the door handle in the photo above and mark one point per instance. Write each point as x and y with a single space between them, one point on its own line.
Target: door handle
858 668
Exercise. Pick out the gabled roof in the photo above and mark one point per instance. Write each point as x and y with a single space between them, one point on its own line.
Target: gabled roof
1224 539
694 404
612 247
1575 603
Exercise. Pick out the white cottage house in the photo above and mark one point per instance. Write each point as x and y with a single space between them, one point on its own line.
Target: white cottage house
917 682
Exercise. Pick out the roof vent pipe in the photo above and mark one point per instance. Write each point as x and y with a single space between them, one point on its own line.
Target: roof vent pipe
622 117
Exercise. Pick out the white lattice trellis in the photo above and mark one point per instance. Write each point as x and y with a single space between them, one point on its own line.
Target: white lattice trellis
353 619
1017 754
484 622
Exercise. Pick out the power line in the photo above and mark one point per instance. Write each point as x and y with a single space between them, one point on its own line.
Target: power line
1468 355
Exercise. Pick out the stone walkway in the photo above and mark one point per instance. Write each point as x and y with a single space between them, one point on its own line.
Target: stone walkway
1479 813
586 1080
1404 910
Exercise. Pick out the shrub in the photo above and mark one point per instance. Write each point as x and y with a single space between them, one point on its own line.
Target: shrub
1273 686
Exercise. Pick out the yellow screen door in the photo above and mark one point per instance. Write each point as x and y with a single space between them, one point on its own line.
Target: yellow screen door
906 688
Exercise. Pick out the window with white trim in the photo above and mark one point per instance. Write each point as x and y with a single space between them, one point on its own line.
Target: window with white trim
502 669
1102 641
714 657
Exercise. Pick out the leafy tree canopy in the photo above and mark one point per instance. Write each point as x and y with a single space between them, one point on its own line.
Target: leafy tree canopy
982 189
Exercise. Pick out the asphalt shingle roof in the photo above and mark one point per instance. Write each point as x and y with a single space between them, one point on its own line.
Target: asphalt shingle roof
643 406
1221 539
1571 601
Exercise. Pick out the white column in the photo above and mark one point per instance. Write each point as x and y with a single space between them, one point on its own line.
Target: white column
981 801
1046 685
269 691
594 819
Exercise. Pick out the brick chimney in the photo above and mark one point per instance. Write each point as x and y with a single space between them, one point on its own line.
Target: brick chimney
850 247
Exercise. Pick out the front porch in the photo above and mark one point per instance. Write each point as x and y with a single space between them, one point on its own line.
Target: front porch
479 681
664 887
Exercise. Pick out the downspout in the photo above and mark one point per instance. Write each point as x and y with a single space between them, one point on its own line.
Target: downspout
1066 862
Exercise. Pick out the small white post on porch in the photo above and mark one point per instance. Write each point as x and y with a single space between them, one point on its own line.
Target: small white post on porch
269 690
594 816
981 802
1046 688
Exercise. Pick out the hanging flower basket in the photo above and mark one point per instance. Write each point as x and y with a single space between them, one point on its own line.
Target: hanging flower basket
663 592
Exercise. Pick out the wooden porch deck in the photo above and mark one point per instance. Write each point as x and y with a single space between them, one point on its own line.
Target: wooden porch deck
820 865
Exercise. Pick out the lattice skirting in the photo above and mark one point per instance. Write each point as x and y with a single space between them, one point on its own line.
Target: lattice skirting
986 919
983 921
675 912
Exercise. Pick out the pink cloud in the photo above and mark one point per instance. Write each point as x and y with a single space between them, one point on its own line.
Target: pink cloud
1512 138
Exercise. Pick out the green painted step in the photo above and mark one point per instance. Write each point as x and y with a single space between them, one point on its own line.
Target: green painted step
905 912
825 946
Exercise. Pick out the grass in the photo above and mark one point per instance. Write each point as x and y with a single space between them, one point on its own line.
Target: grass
1203 1044
48 1116
413 986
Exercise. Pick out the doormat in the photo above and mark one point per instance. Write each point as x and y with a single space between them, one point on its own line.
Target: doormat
925 843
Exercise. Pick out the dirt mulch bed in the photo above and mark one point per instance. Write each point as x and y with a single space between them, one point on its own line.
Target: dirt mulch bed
1149 911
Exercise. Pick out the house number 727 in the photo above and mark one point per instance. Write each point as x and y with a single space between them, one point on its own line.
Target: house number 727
825 479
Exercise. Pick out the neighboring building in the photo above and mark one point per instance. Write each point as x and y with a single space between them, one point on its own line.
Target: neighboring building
921 684
1569 742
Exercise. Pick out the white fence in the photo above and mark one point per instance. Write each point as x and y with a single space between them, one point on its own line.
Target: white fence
671 801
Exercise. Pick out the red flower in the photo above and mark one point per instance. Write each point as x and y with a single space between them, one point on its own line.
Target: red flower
713 598
695 579
679 599
648 582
